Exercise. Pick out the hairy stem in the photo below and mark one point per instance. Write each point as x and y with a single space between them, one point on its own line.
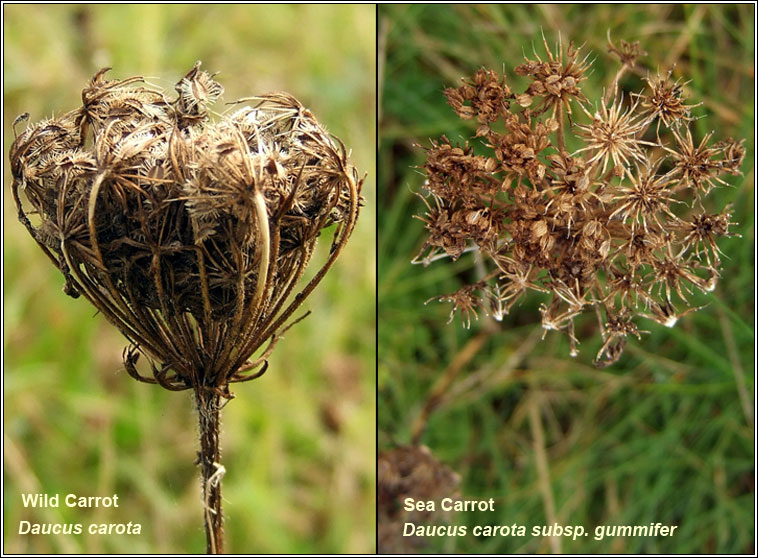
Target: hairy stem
208 409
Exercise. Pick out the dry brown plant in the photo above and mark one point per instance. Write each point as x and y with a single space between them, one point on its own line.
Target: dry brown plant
410 472
616 227
190 235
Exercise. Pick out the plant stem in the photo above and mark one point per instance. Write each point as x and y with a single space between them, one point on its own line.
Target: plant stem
614 84
561 132
208 409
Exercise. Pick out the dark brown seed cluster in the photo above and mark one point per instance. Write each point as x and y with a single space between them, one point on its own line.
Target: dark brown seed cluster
606 213
189 235
409 472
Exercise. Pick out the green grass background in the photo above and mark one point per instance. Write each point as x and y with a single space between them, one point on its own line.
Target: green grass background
665 435
74 422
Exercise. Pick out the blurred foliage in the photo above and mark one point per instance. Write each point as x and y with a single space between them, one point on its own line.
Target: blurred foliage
666 434
298 444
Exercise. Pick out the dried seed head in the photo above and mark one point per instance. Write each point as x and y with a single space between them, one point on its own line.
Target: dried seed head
648 196
189 235
197 91
665 101
487 93
627 53
614 135
604 229
699 167
556 80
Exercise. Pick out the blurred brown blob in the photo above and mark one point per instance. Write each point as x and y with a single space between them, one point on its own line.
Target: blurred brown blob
409 472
